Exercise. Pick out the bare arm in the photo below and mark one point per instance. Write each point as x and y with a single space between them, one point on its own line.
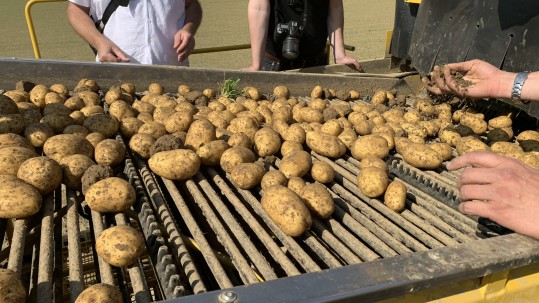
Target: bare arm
258 12
184 40
336 37
78 17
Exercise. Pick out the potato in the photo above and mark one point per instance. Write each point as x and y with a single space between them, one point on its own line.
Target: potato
281 91
296 164
120 245
143 107
528 135
18 96
14 140
78 130
110 195
529 145
443 149
247 175
318 200
322 172
200 132
101 123
43 173
331 127
273 177
60 146
89 98
109 152
140 145
506 149
100 293
130 126
395 196
12 123
78 117
12 157
479 126
469 144
161 114
74 103
364 128
372 181
7 106
421 156
210 153
267 142
179 164
240 139
18 199
374 162
369 146
95 138
379 97
412 116
500 122
325 145
234 156
449 135
289 146
73 167
11 288
91 110
247 125
287 210
154 129
309 115
295 133
120 109
37 95
296 184
94 174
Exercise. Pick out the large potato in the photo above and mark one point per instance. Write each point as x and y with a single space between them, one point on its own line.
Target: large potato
11 139
469 144
273 177
211 152
286 209
120 245
18 199
200 132
60 146
395 196
479 126
101 123
374 162
246 124
179 122
247 175
421 156
289 146
109 152
267 142
12 157
240 139
121 110
322 172
43 173
110 195
296 164
318 200
130 126
12 123
100 293
73 167
11 288
234 156
369 146
179 164
141 144
443 149
325 144
372 181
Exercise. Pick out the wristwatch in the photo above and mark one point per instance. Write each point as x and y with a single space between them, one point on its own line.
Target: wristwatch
516 92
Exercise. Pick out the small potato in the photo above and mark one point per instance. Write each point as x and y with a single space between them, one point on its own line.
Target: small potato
179 164
109 152
156 89
469 144
322 172
234 156
267 142
110 195
372 181
18 199
100 293
140 145
101 123
364 128
325 145
37 95
421 156
317 92
12 157
395 196
247 175
120 245
497 135
210 153
332 127
73 167
449 135
273 177
240 139
318 200
281 91
374 162
11 288
443 149
296 164
37 134
43 173
95 138
379 97
369 146
287 210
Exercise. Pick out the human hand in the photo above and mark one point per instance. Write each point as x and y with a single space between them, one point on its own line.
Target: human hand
251 68
350 61
475 79
502 189
184 43
107 51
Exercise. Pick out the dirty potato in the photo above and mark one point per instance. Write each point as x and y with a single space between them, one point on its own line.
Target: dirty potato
18 199
247 175
287 210
374 162
372 181
296 164
210 153
43 173
322 172
12 157
120 245
395 196
11 288
325 145
273 177
443 149
369 146
267 142
103 293
110 195
179 164
318 200
140 145
421 156
109 152
469 144
234 156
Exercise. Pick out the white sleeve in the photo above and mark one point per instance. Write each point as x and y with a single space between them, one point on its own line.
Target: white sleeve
85 3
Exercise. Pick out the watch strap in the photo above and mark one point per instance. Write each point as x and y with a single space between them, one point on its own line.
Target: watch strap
516 92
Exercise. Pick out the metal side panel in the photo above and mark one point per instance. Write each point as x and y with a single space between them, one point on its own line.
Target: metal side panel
70 72
389 277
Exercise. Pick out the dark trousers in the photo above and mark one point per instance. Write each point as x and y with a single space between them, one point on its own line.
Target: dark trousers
272 63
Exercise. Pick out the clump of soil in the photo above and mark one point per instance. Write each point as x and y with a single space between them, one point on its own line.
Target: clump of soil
458 77
94 174
166 142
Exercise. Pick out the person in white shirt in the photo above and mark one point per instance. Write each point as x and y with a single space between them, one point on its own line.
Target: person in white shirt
147 32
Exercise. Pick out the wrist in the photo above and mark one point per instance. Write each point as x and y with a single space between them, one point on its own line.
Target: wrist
505 85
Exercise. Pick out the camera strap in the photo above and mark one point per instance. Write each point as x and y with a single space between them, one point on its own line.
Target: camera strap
111 8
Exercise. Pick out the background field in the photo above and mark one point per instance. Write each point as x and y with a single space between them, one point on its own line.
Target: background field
224 23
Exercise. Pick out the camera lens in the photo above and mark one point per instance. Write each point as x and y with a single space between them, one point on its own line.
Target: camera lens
290 48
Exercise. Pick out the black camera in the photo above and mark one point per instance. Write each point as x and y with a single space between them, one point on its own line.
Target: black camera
290 34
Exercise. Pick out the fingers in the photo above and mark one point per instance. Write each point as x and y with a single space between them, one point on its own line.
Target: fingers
475 208
479 192
477 159
185 48
477 176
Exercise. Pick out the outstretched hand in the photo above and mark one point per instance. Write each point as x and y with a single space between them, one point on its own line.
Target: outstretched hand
475 79
350 61
107 51
502 189
184 44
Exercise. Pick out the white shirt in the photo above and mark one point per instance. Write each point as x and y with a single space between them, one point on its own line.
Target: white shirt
144 30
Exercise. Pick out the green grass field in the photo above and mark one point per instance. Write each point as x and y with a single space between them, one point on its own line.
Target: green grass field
224 23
